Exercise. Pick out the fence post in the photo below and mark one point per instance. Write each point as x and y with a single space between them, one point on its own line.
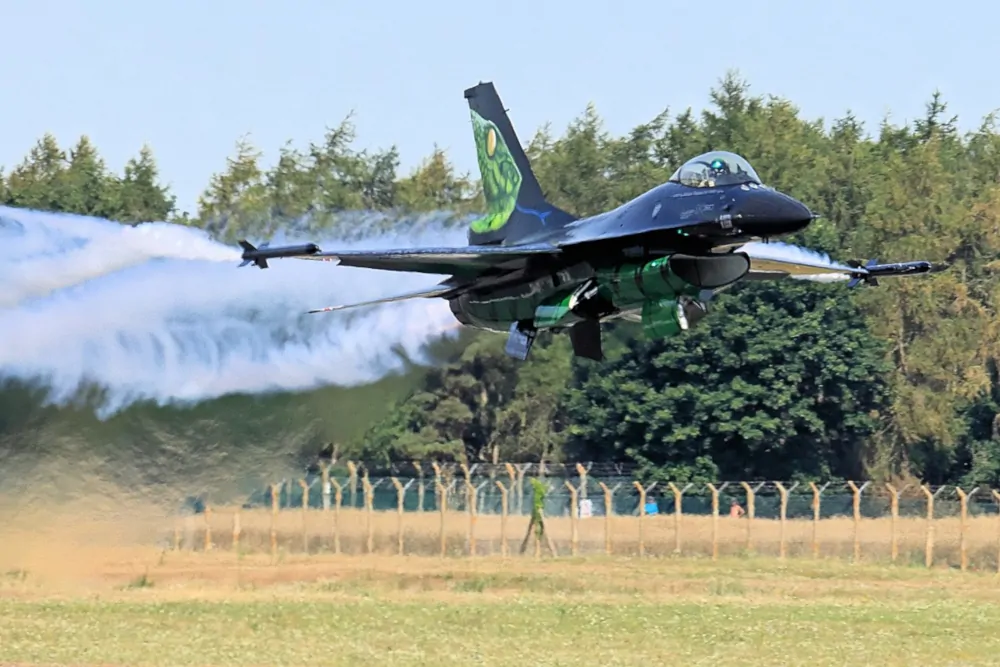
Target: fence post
399 514
420 485
275 500
582 472
338 498
783 492
437 479
369 509
963 499
894 513
751 493
236 530
470 506
503 516
305 510
715 517
642 513
521 470
574 511
472 497
817 492
678 510
929 548
856 502
325 472
352 482
442 508
608 510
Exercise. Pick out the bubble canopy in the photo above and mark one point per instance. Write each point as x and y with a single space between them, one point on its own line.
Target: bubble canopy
715 168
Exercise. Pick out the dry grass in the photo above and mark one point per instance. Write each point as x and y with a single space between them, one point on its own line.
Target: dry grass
143 607
314 531
86 584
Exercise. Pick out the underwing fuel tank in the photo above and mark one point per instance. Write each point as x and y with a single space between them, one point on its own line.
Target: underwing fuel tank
583 293
631 284
666 318
663 285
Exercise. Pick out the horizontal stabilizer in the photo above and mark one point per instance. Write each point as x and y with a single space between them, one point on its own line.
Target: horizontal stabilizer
465 261
438 290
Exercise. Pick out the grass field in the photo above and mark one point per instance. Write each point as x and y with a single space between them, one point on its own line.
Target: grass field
134 606
102 585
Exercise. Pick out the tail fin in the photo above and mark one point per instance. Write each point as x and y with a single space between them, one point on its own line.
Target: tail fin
515 205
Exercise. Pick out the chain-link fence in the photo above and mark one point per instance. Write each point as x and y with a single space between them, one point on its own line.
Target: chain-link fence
487 511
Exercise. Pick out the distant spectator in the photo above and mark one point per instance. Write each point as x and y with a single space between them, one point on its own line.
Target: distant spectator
735 511
652 508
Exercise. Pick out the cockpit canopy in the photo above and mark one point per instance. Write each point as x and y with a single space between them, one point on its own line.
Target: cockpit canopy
715 168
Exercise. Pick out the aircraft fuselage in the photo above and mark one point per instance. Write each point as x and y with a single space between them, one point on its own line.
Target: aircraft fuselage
647 260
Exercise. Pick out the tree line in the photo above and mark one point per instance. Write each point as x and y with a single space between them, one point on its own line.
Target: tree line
787 380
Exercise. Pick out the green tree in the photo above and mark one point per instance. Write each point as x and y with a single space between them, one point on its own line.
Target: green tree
141 196
35 182
434 186
778 382
235 203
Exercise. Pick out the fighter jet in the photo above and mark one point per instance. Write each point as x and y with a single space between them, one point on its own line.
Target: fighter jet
657 259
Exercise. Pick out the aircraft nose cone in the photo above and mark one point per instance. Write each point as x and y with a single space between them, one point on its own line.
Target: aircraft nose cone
771 213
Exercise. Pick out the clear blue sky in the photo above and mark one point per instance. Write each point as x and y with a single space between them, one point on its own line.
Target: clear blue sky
191 77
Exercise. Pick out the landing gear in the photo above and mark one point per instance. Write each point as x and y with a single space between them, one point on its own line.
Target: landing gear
519 341
586 339
690 311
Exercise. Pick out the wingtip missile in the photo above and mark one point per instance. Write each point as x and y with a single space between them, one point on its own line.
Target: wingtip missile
327 309
872 271
259 256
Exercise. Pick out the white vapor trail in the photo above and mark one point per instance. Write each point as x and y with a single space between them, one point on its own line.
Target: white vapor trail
43 252
794 253
90 307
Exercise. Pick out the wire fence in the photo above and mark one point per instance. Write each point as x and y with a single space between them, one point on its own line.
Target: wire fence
487 511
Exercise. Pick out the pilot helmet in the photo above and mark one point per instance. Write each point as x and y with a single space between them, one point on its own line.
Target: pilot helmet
719 167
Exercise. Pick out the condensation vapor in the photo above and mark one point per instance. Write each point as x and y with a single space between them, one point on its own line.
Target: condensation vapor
793 253
44 252
160 312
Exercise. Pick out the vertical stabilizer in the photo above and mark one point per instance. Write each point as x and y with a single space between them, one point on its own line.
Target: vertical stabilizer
515 205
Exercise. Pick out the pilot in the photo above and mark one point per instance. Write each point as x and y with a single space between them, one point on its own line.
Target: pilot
718 167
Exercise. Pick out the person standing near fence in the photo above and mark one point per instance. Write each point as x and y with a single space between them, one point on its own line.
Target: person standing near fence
735 511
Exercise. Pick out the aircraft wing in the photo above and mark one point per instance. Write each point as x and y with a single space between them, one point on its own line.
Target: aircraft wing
437 290
465 261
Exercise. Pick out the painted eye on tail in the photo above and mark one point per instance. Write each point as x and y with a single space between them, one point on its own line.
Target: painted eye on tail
491 142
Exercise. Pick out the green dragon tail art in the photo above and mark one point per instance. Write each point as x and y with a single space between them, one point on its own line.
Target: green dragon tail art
501 178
